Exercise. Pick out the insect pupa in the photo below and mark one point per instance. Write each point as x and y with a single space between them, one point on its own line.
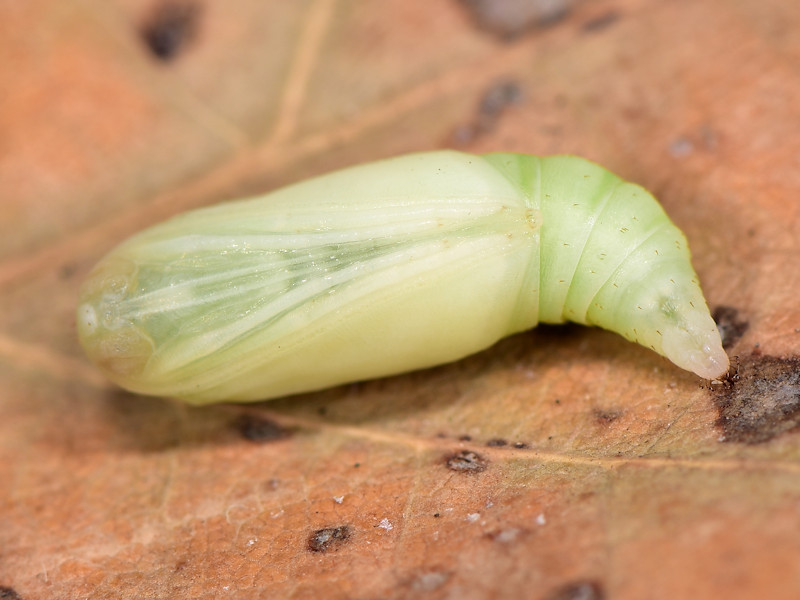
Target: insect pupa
388 267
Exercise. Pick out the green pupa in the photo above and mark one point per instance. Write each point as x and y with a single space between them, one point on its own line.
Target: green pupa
388 267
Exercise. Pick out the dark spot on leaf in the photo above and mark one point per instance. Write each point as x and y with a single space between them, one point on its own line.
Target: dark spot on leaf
500 96
466 461
496 443
7 593
605 416
180 565
509 19
731 328
259 429
65 272
170 27
579 590
493 104
759 399
601 22
330 538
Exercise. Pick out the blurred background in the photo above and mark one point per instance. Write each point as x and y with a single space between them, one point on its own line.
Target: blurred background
562 464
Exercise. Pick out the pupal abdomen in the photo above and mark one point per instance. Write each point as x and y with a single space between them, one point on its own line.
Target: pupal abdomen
611 257
385 268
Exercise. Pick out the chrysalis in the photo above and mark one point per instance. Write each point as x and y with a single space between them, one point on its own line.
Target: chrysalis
388 267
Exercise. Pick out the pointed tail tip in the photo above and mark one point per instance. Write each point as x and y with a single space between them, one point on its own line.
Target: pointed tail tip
697 347
713 363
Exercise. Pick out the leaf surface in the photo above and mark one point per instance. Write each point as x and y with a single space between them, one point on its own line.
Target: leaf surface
560 462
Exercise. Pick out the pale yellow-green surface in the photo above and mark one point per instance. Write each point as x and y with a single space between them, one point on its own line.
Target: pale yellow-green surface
387 267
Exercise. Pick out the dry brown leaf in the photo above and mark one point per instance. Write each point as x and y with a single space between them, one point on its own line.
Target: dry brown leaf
563 463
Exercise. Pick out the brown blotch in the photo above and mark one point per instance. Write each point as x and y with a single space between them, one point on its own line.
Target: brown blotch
759 399
509 19
330 538
601 22
259 429
466 461
606 416
170 27
731 327
579 590
7 593
496 443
